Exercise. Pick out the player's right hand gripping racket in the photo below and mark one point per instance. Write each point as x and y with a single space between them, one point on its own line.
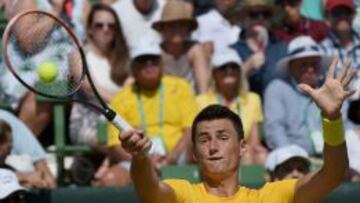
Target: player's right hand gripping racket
45 55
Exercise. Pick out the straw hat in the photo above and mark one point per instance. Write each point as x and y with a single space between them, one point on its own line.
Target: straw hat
248 4
176 11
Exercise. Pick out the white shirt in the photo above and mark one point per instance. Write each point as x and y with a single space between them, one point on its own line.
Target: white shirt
215 28
100 70
134 24
353 148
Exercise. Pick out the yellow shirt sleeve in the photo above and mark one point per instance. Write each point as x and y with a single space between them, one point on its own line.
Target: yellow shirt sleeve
280 191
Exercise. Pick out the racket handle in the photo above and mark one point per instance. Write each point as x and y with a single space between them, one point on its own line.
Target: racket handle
121 124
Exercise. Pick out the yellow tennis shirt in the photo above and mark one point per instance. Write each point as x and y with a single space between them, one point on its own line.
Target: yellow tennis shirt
249 108
178 106
275 192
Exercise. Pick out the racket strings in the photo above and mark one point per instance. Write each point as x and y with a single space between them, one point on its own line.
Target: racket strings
44 55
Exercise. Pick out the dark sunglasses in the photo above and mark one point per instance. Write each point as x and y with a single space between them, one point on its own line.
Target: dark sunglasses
99 26
229 66
257 14
341 11
147 59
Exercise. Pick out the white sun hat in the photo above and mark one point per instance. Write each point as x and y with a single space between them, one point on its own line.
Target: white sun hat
302 47
283 154
8 183
225 55
145 46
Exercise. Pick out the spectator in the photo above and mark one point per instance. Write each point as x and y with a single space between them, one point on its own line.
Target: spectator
107 56
288 162
291 117
295 24
10 189
230 90
136 18
257 45
26 156
216 29
353 140
162 106
182 57
342 40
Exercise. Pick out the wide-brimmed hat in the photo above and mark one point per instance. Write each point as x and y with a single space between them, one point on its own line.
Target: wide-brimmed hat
8 183
302 47
176 11
283 154
224 56
247 5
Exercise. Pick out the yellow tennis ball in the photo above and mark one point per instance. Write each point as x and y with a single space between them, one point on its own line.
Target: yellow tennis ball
47 72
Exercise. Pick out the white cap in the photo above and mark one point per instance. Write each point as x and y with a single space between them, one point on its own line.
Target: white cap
225 55
145 46
283 154
8 183
302 47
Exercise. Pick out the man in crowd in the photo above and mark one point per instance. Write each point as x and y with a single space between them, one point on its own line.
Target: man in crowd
291 116
162 106
218 145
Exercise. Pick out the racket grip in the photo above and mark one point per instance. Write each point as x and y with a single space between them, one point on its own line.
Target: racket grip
121 124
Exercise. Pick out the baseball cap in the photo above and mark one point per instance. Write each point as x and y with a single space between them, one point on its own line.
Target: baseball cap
331 4
283 154
224 56
145 46
8 183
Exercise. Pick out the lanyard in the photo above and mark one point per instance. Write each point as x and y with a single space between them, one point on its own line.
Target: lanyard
221 101
161 109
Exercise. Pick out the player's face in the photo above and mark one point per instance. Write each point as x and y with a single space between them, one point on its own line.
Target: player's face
217 148
102 28
147 71
306 70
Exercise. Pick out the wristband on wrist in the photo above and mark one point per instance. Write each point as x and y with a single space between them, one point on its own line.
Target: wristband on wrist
333 131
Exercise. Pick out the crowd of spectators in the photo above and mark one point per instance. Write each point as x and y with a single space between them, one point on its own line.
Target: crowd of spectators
159 62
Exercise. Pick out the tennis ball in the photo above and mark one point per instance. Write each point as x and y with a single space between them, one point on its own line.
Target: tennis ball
47 72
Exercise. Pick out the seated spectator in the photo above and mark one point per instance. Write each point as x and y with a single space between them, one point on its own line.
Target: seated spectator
182 57
295 24
216 29
162 106
23 153
342 40
288 162
136 18
353 140
291 117
257 46
230 90
10 189
107 56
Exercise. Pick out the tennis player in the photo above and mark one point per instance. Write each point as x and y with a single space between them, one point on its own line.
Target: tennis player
218 144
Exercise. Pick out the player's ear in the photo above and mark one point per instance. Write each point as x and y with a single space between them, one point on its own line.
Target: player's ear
242 148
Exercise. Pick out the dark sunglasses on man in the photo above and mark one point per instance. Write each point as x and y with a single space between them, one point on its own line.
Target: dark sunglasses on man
256 14
147 59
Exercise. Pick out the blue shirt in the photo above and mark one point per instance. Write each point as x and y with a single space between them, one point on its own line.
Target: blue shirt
24 141
274 51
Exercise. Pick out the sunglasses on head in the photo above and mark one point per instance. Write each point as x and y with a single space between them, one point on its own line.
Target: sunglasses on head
257 14
99 26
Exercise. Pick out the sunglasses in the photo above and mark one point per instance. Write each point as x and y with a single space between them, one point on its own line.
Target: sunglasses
228 66
101 26
147 59
257 14
342 12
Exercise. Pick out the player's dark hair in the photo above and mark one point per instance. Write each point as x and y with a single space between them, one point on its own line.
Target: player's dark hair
215 112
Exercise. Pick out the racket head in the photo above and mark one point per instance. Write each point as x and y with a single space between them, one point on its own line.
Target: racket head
44 54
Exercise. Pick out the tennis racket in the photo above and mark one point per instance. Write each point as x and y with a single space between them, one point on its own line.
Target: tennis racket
45 56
